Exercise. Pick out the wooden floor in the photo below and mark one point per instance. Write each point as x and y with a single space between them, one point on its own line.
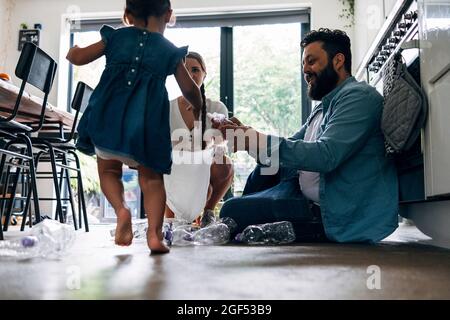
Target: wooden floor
96 269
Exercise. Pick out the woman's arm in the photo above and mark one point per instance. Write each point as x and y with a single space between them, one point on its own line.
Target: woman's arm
189 88
81 56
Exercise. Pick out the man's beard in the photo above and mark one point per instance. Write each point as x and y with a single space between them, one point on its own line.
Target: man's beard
324 82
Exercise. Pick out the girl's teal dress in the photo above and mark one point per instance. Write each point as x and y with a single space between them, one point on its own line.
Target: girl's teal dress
128 112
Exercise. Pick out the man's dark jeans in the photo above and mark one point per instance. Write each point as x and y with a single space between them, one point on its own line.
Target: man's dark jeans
274 198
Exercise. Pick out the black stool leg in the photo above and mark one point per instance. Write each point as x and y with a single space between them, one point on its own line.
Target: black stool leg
12 198
81 191
27 203
25 210
69 188
28 200
51 152
61 183
5 186
8 169
1 228
5 189
33 180
2 163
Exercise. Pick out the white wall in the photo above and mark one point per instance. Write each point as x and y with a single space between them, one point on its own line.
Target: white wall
5 14
324 13
369 18
2 30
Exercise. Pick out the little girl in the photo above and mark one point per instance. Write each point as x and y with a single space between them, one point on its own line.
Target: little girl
127 119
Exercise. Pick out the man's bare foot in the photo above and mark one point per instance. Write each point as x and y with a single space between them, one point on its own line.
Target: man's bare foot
124 231
155 243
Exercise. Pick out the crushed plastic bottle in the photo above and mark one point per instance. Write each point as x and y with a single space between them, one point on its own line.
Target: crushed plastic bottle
24 248
178 232
216 233
168 233
176 222
184 235
269 233
213 234
49 239
140 227
218 118
231 224
140 230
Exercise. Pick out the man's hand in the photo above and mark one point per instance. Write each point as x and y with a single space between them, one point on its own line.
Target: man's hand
240 137
236 121
228 124
231 123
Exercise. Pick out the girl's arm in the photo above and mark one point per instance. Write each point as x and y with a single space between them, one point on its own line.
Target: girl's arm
189 88
81 56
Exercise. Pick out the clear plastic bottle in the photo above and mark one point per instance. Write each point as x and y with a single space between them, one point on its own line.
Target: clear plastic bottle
24 248
214 234
140 227
218 118
184 235
178 232
48 239
140 230
231 224
168 233
269 233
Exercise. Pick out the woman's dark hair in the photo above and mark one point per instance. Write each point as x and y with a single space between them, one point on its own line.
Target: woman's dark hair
203 115
198 57
143 9
334 42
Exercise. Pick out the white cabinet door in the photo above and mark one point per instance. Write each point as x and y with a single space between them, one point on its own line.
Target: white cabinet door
434 26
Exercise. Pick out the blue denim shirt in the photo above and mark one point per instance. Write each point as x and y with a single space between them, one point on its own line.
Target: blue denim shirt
358 184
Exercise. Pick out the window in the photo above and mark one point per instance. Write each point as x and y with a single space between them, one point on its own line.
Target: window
205 41
89 74
267 85
253 62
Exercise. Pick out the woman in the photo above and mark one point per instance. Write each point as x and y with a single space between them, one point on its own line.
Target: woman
182 117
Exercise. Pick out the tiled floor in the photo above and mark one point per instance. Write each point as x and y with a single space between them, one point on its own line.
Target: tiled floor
96 269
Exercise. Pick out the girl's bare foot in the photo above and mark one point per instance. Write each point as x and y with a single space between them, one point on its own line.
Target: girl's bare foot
155 243
124 231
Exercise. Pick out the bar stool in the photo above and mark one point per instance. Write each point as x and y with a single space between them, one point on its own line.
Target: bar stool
58 149
38 69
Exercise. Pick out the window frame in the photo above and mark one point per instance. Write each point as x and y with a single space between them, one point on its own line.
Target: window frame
226 20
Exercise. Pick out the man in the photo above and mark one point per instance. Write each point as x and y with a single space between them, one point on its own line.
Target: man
334 182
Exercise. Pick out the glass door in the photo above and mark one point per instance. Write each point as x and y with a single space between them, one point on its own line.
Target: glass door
267 84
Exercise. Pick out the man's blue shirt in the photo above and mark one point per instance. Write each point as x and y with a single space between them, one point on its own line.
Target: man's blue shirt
358 184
